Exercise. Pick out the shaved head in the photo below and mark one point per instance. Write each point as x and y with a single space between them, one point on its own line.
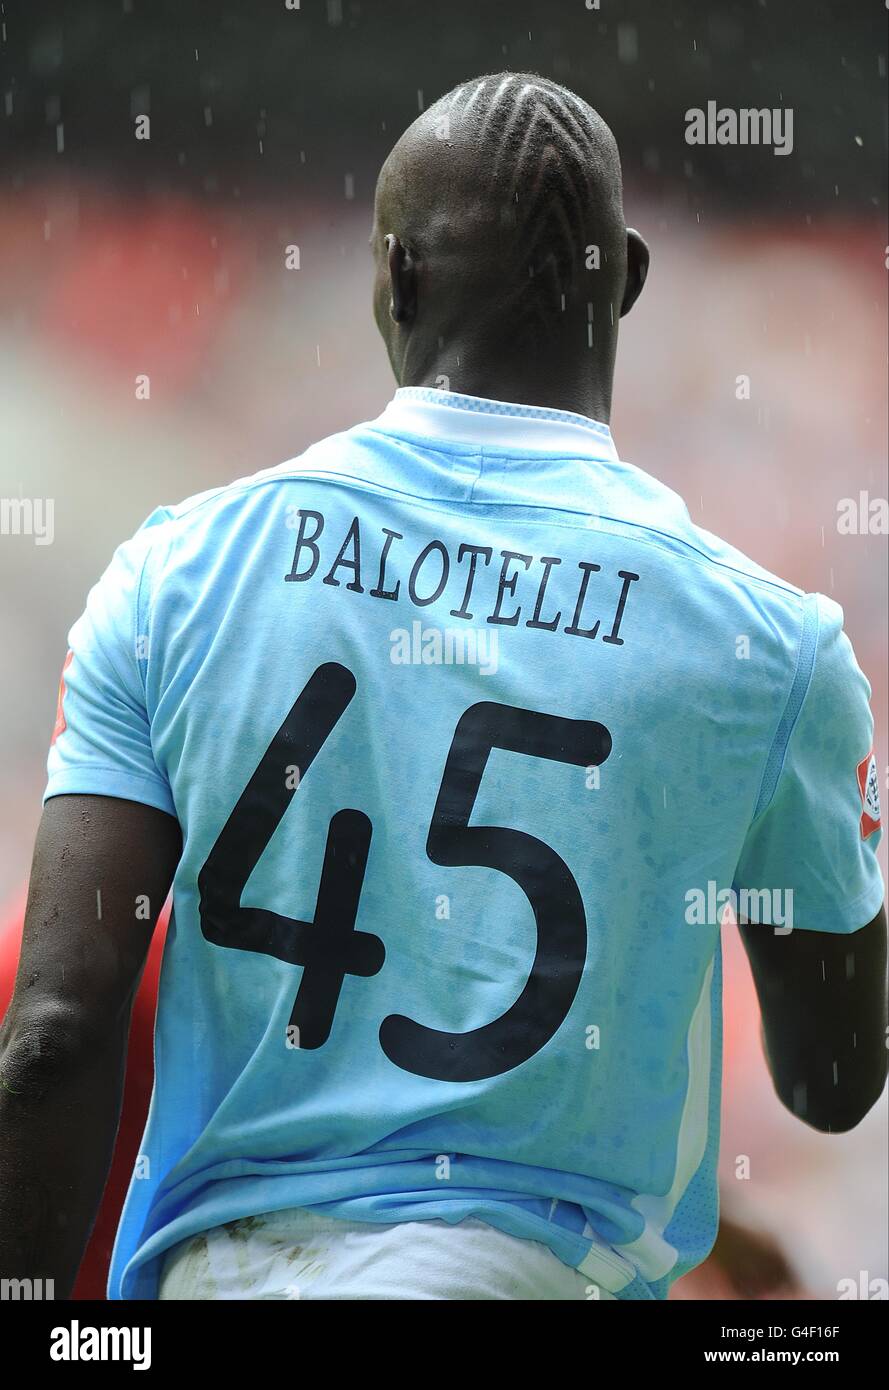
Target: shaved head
499 232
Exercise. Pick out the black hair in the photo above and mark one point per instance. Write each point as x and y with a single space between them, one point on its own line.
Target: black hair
552 165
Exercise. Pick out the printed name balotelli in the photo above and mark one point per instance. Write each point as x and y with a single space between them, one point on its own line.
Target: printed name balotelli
430 573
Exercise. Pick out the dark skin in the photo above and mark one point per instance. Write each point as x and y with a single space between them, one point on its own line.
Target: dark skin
823 1003
63 1042
469 366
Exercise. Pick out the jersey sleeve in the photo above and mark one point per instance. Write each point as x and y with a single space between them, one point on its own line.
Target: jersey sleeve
818 828
101 744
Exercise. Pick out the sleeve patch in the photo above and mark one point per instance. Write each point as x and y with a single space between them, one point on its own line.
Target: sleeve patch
869 786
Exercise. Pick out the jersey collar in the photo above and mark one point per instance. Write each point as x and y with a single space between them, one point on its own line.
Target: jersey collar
452 418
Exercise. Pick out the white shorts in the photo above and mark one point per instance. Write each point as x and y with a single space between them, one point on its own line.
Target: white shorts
298 1254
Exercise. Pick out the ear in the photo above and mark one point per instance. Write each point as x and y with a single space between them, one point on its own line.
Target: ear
402 280
637 270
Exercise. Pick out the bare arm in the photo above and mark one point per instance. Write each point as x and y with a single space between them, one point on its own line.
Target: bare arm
823 1002
101 873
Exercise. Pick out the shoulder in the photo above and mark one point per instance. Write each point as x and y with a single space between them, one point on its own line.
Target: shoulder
665 512
245 493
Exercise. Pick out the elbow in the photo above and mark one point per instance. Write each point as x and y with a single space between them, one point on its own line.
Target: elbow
42 1048
835 1114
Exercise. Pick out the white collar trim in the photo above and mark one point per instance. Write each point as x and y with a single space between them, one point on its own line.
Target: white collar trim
424 411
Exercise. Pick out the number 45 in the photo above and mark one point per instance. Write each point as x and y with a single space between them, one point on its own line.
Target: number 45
329 947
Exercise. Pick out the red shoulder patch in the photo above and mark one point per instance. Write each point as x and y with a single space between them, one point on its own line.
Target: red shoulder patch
61 725
869 786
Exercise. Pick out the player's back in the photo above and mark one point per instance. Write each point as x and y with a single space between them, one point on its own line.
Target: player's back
466 726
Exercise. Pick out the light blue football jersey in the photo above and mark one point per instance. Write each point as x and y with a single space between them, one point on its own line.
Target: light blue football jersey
472 735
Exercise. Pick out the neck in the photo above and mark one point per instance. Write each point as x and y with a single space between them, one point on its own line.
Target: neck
544 381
